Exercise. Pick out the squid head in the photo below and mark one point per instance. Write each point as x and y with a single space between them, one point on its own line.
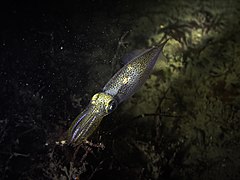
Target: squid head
86 122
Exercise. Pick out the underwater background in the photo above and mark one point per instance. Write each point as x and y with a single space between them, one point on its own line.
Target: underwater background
182 124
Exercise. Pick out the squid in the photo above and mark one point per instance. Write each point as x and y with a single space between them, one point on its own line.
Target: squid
119 88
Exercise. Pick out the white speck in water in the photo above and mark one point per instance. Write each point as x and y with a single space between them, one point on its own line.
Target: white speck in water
61 48
63 142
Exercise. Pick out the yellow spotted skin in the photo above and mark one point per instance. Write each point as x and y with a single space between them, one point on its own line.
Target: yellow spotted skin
120 87
133 75
101 102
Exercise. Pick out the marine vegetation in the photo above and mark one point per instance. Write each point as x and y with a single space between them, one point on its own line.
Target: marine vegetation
182 123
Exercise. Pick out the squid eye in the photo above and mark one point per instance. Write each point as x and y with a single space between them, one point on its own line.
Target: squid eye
112 106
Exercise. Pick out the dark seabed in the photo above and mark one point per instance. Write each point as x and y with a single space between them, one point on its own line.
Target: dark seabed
182 124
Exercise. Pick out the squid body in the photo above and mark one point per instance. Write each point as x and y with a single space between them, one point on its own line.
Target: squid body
120 87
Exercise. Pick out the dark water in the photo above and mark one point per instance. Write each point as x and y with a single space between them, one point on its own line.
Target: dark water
183 124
